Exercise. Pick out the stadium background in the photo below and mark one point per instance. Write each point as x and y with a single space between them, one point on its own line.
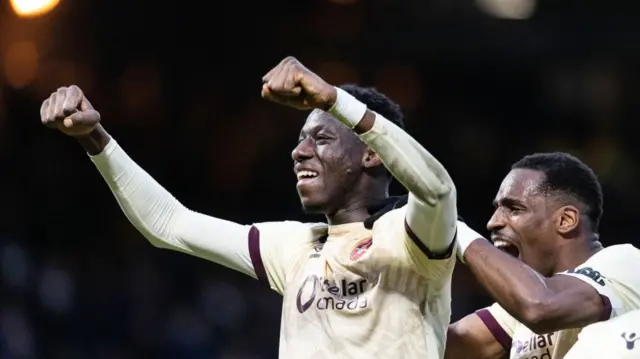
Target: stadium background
178 85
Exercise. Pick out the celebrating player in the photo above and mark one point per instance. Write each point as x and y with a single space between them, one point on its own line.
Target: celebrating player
359 286
618 338
547 213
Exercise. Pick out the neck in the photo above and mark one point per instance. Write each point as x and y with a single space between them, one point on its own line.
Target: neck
573 255
356 210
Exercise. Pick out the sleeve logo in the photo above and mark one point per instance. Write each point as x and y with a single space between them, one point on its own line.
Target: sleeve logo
589 273
631 339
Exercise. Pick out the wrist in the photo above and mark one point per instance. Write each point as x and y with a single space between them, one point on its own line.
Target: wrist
95 141
464 237
347 109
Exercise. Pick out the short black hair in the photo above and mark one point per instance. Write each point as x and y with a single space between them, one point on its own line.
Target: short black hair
567 175
377 102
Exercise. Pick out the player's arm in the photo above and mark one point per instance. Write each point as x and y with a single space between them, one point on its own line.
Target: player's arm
431 209
542 304
431 213
160 217
258 250
477 336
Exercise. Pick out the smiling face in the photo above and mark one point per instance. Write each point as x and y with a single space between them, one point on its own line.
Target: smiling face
524 222
327 162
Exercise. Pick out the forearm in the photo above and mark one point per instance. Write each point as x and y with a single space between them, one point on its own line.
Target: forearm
431 211
520 290
161 218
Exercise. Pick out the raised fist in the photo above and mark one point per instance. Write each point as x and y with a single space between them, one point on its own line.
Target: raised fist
69 111
292 84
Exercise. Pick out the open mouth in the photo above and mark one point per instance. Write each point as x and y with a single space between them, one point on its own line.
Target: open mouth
306 176
507 247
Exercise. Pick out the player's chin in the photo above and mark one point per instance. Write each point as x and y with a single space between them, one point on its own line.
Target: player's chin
311 205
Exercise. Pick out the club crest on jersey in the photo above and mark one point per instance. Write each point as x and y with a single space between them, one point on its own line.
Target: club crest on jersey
361 248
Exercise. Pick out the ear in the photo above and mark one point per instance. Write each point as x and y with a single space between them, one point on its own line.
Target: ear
370 159
567 219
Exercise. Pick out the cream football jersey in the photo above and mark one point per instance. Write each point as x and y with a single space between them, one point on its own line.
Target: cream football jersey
352 292
613 272
618 338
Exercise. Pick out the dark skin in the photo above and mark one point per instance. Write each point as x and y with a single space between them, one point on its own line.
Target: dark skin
347 183
348 178
550 236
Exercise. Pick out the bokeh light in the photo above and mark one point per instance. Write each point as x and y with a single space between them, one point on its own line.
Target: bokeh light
32 8
21 64
508 9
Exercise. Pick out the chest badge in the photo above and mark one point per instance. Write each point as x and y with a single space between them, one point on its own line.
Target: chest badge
361 248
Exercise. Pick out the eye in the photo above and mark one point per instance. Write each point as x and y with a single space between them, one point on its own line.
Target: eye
322 138
515 208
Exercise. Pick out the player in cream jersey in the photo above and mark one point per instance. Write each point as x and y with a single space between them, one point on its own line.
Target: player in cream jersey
617 338
363 293
547 213
374 281
612 272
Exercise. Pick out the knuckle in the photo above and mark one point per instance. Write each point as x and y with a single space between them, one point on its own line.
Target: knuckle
75 88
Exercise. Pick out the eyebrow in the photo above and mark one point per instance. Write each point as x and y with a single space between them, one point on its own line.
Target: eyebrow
508 201
314 129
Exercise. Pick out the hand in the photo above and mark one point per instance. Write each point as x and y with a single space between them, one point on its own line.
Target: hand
292 84
69 111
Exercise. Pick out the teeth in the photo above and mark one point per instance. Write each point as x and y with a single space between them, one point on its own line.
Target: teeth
500 243
306 174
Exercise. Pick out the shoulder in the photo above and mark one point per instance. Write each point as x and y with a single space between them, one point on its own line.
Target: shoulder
629 322
616 251
291 231
613 260
391 223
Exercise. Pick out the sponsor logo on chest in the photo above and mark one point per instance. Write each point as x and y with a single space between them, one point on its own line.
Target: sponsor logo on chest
322 294
537 346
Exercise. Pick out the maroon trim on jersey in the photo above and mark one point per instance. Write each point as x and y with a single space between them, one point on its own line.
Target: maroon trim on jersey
495 328
608 309
446 254
254 253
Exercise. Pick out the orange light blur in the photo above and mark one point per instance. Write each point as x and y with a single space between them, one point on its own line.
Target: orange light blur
21 64
33 8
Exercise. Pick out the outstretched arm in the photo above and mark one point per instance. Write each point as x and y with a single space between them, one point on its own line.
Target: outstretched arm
431 210
160 217
542 304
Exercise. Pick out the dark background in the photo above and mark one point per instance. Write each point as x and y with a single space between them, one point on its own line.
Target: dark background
178 83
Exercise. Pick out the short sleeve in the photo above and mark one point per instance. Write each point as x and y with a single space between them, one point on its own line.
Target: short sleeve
500 323
612 272
276 247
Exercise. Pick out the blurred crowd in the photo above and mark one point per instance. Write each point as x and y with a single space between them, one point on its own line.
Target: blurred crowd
179 89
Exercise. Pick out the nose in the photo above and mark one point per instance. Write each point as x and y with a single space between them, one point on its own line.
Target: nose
496 222
303 151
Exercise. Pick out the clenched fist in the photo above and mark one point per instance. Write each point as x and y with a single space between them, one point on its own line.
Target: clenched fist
69 111
292 84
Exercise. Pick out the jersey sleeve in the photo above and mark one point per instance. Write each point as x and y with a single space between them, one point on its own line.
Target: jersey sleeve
409 250
431 212
276 248
613 273
500 323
